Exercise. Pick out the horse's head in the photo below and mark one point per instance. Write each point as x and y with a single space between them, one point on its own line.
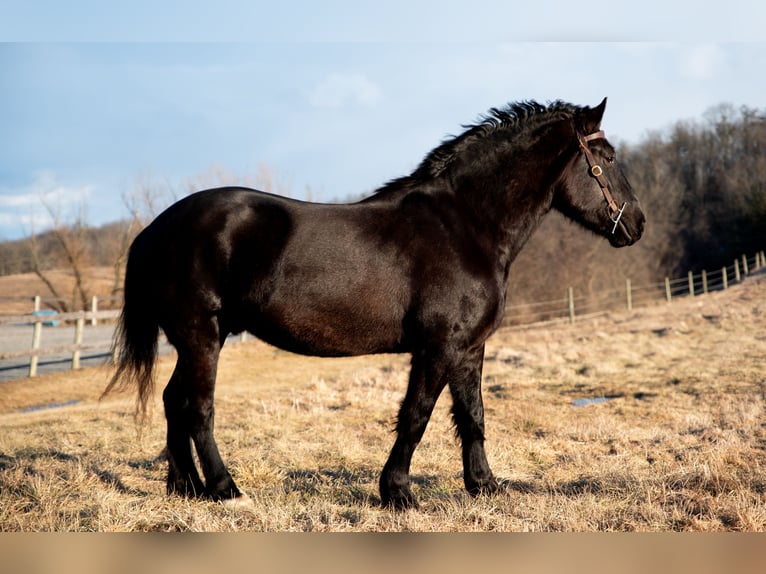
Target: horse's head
593 190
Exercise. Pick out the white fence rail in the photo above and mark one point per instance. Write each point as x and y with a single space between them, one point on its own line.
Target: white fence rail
77 319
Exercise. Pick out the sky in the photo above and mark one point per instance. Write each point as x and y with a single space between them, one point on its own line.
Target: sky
337 97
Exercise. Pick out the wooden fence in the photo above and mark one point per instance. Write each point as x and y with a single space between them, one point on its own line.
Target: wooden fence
570 307
38 319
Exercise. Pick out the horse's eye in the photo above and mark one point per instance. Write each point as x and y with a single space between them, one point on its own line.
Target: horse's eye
610 159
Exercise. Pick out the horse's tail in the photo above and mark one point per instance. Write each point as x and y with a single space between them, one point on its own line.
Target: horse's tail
135 340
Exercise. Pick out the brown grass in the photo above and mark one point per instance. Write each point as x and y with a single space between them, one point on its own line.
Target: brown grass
18 291
680 444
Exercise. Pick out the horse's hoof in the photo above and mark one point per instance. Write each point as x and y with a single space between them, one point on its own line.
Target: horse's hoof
485 487
404 501
241 502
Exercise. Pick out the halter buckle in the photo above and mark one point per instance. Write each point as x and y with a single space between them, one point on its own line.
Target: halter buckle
596 170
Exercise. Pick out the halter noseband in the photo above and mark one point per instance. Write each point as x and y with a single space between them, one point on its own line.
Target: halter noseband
615 213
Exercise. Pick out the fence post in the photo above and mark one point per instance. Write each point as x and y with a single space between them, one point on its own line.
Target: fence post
36 336
704 282
668 294
570 295
94 310
691 283
629 294
725 277
36 306
78 327
745 269
737 277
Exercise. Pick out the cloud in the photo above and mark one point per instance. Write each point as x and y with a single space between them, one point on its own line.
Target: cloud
701 62
44 188
26 222
343 90
24 208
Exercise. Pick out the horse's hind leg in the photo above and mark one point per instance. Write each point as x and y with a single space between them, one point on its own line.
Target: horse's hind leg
183 478
189 403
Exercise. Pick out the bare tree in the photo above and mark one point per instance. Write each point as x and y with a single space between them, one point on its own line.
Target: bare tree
71 239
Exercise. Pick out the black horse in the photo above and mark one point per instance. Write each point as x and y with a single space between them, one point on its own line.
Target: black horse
419 267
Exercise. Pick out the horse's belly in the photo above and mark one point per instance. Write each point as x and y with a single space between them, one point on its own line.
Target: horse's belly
354 327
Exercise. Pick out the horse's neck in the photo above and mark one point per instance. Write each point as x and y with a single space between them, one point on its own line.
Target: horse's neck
507 215
516 229
513 197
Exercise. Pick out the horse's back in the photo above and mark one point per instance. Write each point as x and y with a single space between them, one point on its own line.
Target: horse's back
313 278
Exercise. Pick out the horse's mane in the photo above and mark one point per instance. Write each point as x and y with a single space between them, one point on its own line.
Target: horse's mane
513 120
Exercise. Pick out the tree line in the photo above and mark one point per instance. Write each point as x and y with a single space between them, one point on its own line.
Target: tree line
702 184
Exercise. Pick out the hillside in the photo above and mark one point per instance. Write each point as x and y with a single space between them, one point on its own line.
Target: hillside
645 420
17 291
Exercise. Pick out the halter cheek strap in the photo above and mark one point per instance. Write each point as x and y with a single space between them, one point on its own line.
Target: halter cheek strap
615 213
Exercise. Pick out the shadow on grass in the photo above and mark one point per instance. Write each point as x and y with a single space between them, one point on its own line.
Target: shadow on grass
361 484
357 486
37 463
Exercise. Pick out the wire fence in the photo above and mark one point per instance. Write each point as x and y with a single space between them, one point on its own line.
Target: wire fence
573 305
570 307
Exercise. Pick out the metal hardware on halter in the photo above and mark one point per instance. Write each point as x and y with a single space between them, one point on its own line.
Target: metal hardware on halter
617 219
615 213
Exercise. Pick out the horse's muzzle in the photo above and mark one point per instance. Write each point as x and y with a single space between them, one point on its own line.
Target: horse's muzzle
628 229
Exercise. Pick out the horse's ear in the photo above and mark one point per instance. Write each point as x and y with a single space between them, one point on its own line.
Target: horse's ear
590 118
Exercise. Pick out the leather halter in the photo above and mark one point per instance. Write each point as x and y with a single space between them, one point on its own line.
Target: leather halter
615 213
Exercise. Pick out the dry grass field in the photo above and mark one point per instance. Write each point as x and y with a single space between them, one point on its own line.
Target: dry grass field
650 420
17 291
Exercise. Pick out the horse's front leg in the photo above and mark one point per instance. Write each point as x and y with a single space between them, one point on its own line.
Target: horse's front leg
426 384
468 414
461 369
